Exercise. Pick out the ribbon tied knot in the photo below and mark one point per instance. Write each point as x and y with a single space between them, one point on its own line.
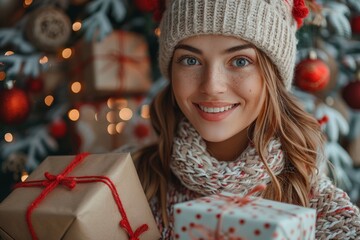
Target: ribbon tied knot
59 179
133 235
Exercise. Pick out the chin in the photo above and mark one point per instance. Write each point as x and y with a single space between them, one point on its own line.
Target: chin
214 137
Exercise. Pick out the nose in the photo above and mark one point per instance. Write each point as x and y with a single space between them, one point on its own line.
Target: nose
213 81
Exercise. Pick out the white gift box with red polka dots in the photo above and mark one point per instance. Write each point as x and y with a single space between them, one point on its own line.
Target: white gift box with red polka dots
217 217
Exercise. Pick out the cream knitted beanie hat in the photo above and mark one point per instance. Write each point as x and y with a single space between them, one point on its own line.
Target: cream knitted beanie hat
268 24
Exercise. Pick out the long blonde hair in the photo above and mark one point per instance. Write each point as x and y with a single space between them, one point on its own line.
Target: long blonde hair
280 117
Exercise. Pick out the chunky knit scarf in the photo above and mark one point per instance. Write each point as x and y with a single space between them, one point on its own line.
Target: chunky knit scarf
202 173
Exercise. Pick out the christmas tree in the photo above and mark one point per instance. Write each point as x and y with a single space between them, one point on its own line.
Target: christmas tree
75 76
78 75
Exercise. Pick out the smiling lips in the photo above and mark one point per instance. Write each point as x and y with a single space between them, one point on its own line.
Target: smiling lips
215 113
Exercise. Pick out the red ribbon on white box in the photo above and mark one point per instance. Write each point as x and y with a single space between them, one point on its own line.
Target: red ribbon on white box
217 234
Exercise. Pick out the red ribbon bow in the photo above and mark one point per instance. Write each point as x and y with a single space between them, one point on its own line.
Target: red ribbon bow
59 179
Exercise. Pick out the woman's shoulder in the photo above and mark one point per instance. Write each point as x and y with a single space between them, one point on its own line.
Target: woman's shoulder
337 216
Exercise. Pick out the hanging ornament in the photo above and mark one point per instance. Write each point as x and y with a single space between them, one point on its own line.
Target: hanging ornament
312 74
48 29
355 24
58 129
14 106
351 93
141 131
35 85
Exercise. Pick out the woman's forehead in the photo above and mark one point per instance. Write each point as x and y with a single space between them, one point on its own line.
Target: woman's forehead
201 39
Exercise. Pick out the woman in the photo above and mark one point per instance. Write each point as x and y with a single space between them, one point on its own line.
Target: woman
227 122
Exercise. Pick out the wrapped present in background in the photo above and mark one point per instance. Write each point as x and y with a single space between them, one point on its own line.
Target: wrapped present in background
95 196
232 217
104 126
119 64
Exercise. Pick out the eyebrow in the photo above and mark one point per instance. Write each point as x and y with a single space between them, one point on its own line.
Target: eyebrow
189 48
238 48
230 50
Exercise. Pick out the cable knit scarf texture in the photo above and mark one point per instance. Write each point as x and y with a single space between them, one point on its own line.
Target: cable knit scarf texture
202 173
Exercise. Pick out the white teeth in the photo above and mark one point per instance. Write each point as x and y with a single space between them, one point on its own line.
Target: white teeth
216 110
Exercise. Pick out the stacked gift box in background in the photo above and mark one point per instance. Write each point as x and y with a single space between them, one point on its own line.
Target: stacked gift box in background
119 63
115 74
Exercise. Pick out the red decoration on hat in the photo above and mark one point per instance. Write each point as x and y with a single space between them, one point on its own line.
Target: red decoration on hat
312 75
300 11
14 106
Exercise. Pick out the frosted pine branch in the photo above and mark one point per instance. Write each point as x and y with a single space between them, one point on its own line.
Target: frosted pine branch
337 124
98 24
14 37
341 162
35 143
16 63
336 15
354 4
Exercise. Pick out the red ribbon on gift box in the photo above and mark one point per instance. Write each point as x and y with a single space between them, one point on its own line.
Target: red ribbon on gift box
216 234
52 181
115 59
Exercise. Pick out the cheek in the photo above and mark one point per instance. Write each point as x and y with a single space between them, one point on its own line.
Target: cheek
184 80
247 89
181 84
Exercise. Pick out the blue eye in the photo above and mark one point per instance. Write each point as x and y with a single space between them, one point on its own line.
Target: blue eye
240 62
189 61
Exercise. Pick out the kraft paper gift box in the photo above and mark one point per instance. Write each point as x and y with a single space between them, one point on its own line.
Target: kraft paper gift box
106 192
225 217
119 64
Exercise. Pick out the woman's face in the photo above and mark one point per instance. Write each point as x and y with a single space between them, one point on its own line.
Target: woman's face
217 85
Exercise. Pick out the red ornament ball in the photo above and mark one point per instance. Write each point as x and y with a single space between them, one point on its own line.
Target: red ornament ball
355 24
141 131
351 94
14 106
312 75
35 85
146 5
58 129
